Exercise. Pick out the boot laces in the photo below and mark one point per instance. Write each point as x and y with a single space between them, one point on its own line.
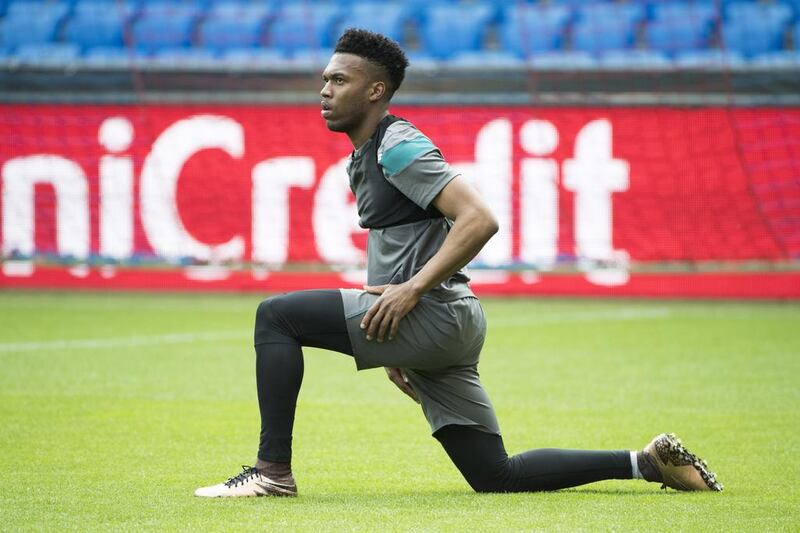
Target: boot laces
247 473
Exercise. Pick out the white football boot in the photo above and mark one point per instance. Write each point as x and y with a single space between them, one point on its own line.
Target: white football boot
250 482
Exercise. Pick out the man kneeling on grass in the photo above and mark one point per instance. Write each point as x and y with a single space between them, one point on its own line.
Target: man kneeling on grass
418 317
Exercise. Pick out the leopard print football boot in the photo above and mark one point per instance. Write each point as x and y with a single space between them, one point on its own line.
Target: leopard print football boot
665 460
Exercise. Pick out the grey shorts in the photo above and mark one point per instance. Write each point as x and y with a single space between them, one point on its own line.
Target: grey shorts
438 345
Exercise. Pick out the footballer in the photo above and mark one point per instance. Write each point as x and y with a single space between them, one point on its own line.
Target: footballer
417 317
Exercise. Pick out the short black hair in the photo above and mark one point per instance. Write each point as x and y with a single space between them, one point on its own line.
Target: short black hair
378 49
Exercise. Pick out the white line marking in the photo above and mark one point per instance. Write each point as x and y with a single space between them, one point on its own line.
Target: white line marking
188 338
123 342
581 316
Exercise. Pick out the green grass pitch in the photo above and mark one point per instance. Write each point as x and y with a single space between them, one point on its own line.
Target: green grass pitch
115 407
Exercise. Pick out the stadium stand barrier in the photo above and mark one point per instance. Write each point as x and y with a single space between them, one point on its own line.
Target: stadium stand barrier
634 148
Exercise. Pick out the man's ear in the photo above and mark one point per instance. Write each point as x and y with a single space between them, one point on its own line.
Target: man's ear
376 91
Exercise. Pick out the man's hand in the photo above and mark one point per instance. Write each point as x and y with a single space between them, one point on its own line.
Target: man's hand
395 302
397 377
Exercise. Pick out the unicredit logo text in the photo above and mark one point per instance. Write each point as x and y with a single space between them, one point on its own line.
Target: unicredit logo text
592 174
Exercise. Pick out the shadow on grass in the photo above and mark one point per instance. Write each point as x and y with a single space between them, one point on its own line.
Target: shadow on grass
409 497
618 492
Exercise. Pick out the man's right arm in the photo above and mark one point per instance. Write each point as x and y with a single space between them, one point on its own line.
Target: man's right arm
473 226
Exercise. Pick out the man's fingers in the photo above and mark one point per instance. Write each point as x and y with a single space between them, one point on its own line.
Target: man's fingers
407 388
383 326
375 322
397 377
409 392
366 322
372 328
394 328
375 289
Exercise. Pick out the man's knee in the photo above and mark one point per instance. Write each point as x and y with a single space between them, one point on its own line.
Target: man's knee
488 482
479 456
275 309
266 311
271 319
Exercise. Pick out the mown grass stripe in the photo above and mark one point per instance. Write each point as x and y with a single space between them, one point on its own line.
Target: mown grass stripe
123 342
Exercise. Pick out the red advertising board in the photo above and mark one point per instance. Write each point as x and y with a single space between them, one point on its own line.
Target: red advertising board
259 193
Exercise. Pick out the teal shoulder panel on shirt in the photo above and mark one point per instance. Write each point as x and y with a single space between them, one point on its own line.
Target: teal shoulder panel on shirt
399 156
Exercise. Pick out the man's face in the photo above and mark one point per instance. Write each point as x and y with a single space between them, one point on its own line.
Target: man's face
345 95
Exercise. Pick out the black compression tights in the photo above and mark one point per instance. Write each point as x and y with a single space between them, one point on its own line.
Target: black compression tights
316 318
482 460
284 324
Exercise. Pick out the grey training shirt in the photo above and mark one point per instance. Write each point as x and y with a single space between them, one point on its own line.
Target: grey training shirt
411 163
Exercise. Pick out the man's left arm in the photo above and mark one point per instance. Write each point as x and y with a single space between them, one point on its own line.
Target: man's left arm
473 226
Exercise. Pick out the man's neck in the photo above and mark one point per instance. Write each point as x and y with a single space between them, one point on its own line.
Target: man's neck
366 129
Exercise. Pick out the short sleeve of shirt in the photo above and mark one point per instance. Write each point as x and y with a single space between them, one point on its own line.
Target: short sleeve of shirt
413 164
